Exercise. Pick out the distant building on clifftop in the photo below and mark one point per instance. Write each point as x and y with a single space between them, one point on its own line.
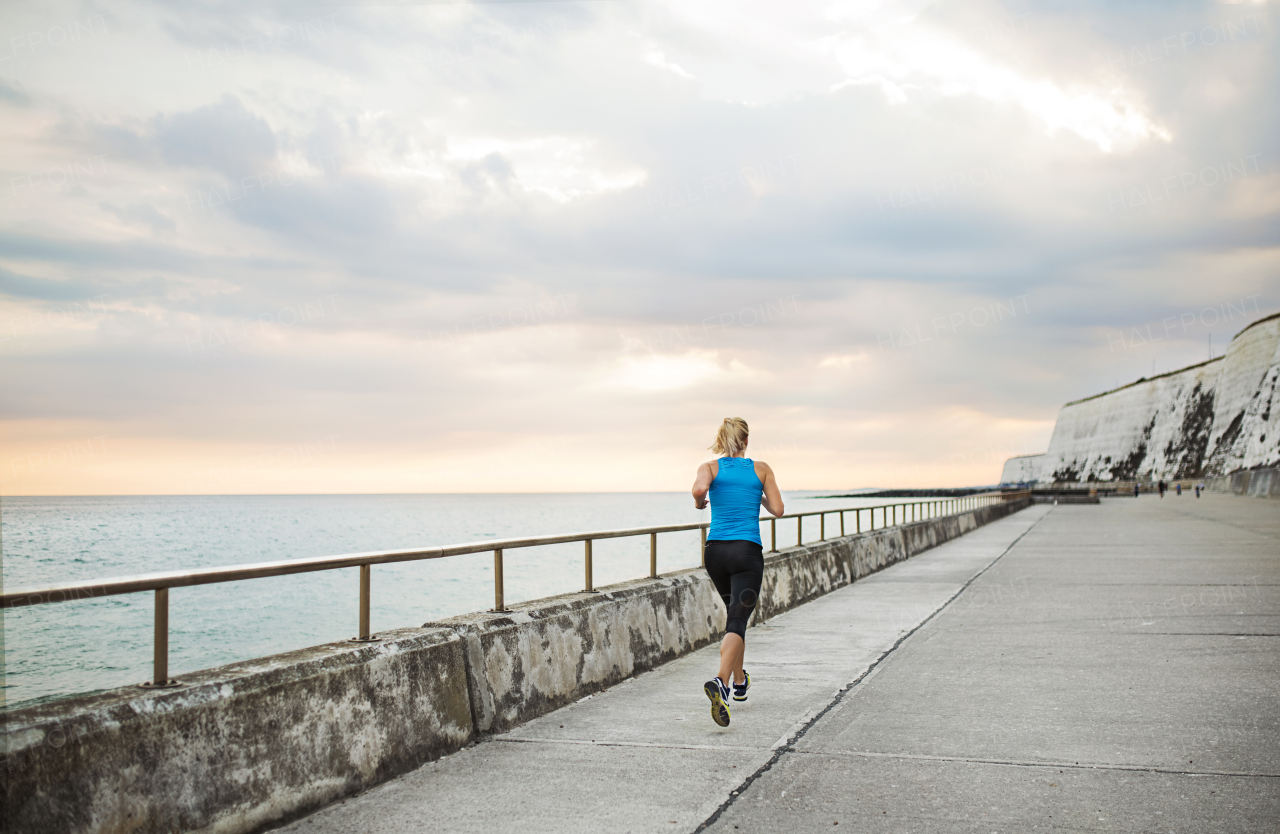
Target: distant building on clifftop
1205 420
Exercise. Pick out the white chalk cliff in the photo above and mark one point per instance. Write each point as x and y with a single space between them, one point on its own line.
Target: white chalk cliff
1208 419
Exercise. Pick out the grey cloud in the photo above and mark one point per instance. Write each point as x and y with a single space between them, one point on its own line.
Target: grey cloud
142 214
14 94
123 140
224 137
18 285
493 171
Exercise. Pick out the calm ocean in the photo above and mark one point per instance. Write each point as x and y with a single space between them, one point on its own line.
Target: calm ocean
66 648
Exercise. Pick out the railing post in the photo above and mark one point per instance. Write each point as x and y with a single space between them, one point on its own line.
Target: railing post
704 545
590 584
799 530
822 527
160 660
365 571
857 521
773 535
499 598
653 555
842 524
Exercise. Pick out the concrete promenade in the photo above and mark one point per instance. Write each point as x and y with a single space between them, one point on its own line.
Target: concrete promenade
1110 667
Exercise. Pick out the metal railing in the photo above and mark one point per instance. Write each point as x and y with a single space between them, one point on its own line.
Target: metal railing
889 514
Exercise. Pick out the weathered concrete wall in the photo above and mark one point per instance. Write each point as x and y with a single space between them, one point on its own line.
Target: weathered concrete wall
549 653
1047 497
239 746
244 746
1205 420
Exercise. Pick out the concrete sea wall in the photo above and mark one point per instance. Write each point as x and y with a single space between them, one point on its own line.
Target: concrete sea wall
241 747
238 746
1253 483
1205 420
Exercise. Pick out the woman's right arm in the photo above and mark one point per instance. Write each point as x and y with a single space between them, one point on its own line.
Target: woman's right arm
702 485
772 498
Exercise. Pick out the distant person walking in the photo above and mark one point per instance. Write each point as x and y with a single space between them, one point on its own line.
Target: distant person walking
1177 488
1199 489
1135 489
1160 487
737 487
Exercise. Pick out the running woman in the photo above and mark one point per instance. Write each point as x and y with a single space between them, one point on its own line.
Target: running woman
737 486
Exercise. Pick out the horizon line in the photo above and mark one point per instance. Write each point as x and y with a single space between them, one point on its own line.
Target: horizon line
846 493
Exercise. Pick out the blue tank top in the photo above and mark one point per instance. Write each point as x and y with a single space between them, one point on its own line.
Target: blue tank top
735 501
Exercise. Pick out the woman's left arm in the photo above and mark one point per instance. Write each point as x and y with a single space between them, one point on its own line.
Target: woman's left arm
771 496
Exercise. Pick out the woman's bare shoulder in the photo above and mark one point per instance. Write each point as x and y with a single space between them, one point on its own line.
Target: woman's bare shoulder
763 468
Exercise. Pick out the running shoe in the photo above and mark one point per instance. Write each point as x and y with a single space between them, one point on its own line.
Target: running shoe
719 695
740 689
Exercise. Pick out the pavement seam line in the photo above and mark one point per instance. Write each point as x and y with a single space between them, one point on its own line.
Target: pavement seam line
1011 763
789 746
649 744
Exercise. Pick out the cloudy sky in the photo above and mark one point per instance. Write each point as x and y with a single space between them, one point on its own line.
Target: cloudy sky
257 247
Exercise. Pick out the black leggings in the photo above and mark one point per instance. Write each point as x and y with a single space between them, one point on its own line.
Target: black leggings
737 569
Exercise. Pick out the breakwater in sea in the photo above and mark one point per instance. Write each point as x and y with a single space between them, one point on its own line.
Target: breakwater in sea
244 746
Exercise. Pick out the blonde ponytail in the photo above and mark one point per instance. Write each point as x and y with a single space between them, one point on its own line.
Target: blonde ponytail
731 439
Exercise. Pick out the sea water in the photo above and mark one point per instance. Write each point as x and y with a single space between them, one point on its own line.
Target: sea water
64 648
